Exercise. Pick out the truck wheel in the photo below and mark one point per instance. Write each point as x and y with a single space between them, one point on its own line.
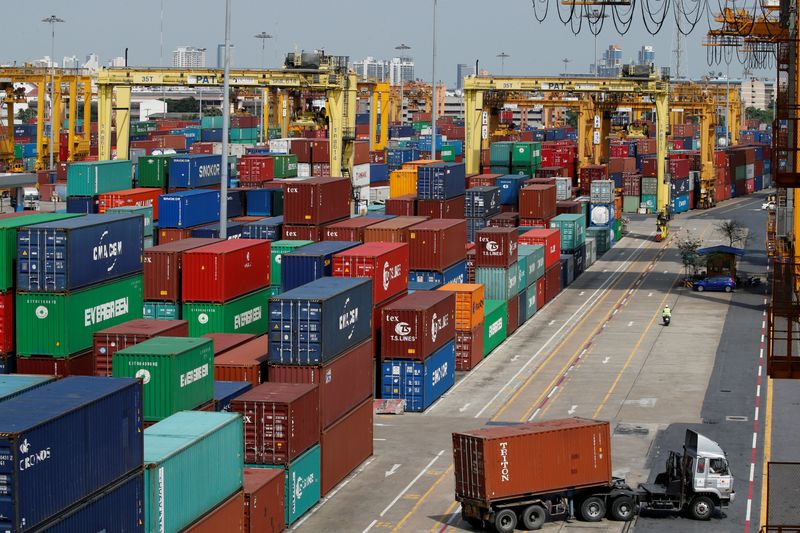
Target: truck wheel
701 508
593 509
622 508
534 517
505 521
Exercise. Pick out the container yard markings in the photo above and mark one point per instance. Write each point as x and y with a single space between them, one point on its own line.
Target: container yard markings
423 498
452 512
767 435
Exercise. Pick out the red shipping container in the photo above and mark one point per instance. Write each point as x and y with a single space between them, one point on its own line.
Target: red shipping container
111 340
351 229
496 247
302 149
145 196
201 148
749 186
377 156
678 168
513 315
176 142
344 382
61 171
436 244
552 284
7 331
649 167
227 517
320 151
569 207
385 263
537 201
541 293
162 268
227 341
222 271
469 348
246 362
377 324
256 168
550 239
345 445
81 364
452 208
166 235
244 121
483 180
402 206
631 184
321 170
316 200
416 326
505 220
302 232
148 145
392 230
360 152
264 500
281 421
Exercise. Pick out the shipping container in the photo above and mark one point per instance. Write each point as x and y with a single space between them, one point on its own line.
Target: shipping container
269 229
344 382
162 268
80 364
12 385
549 238
153 171
456 273
451 208
109 341
351 229
552 281
385 263
528 303
417 325
482 202
233 230
496 247
540 447
146 212
392 230
44 435
405 205
193 461
436 244
225 391
500 283
89 178
311 262
281 421
345 445
195 171
278 248
537 202
469 304
302 482
512 322
264 500
469 347
7 331
228 341
494 325
75 253
82 205
225 270
572 230
147 197
245 314
185 209
419 383
534 262
246 362
227 517
510 186
316 200
261 202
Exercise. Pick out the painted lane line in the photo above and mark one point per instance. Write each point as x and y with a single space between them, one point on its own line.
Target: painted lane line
379 439
535 413
552 391
392 470
551 322
402 492
464 408
606 360
371 524
581 293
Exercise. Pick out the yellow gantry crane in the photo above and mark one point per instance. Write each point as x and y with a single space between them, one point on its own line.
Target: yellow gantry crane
380 98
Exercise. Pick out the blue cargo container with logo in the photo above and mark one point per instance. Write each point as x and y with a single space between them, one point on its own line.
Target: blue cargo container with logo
211 231
310 262
259 202
320 320
456 273
482 202
419 383
185 209
441 181
225 391
269 229
510 185
194 171
74 253
56 436
680 204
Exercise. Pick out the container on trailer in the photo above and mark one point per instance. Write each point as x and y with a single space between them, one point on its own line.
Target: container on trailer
392 230
344 382
302 482
436 244
146 212
109 341
246 362
572 230
245 314
193 461
80 364
227 516
496 247
417 325
163 268
269 229
162 311
544 447
469 304
225 391
228 341
316 200
482 202
225 270
264 500
278 248
281 421
549 238
469 347
346 444
500 283
142 197
60 324
494 325
89 178
419 383
75 253
195 171
44 434
185 209
351 229
311 262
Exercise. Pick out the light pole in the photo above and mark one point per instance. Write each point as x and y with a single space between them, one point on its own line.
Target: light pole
433 88
263 36
566 62
594 17
226 115
503 56
52 20
200 91
402 47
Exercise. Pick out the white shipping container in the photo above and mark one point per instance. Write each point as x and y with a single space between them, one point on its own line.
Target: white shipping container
378 195
750 171
363 199
304 170
563 189
361 175
591 252
280 146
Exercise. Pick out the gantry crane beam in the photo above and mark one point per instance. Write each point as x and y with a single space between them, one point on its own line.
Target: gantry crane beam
742 23
379 96
114 91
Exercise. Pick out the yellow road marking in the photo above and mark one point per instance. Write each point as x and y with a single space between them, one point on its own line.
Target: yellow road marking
422 499
445 527
767 452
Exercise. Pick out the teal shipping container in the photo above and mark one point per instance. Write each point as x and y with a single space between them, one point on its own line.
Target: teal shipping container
649 201
602 237
534 254
162 311
530 302
522 273
302 483
500 154
15 384
193 461
211 122
89 178
499 283
145 210
572 229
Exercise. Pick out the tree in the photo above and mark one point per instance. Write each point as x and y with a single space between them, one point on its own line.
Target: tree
687 247
572 118
184 105
26 114
732 230
212 112
761 115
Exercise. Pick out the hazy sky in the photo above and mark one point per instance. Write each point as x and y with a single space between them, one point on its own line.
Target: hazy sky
468 30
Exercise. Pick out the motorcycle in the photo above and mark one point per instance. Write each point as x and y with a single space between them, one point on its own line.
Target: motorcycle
665 320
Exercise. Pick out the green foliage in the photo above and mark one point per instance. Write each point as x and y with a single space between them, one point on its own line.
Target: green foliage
732 230
762 115
26 114
687 247
572 118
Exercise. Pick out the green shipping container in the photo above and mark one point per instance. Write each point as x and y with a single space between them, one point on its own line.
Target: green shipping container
142 128
285 166
419 126
649 185
499 169
500 154
499 283
522 273
617 230
162 311
602 237
572 229
523 170
278 248
535 260
153 171
526 154
244 134
447 154
649 201
494 324
178 373
61 324
530 302
145 210
97 177
8 241
193 461
630 204
211 122
19 151
273 133
302 483
245 314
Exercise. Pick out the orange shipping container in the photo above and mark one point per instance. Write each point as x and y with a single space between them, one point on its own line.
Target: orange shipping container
469 304
227 516
403 182
145 196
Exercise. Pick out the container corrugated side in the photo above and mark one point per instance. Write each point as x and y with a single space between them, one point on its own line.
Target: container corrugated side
247 362
494 325
264 500
419 383
345 445
245 314
417 325
97 177
500 283
111 340
311 262
12 385
225 270
277 249
163 267
302 482
227 517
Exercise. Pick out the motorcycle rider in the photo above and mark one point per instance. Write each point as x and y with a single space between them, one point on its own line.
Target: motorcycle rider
666 313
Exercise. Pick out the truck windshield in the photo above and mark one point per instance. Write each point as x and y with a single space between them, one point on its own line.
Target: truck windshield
718 466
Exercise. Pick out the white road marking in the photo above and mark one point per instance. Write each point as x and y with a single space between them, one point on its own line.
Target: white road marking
649 294
402 492
572 410
552 391
606 360
379 439
630 323
370 526
551 322
464 408
755 439
392 470
536 412
513 359
581 293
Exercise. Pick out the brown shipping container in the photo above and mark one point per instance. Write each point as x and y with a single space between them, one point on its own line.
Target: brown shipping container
227 517
166 235
351 229
344 382
81 364
392 230
552 282
496 463
302 232
345 445
247 362
281 421
227 341
436 244
316 200
402 206
496 247
513 315
264 500
469 348
537 201
452 208
109 341
505 220
416 326
162 268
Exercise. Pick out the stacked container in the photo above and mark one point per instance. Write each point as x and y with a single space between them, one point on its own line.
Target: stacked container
495 262
572 230
314 202
311 262
548 279
481 204
109 341
436 251
537 205
468 323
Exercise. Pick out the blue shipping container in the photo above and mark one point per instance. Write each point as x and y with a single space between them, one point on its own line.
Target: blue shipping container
679 186
64 431
680 204
74 253
268 228
8 364
310 262
456 273
225 391
188 208
236 199
15 384
318 321
211 231
473 226
259 202
441 181
213 135
82 204
510 184
194 171
419 383
414 286
482 202
378 172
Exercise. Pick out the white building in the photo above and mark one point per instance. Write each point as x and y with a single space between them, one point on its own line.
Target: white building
45 62
71 62
401 69
118 61
189 57
92 63
757 92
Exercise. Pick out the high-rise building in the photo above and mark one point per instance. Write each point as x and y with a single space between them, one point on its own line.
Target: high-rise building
70 62
372 69
610 64
462 71
221 55
647 56
45 62
401 69
757 92
118 61
92 63
188 57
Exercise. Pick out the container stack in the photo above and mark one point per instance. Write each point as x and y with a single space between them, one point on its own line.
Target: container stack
531 265
310 262
436 253
86 181
496 268
548 285
109 341
469 323
480 205
146 212
680 185
572 230
312 203
537 205
603 213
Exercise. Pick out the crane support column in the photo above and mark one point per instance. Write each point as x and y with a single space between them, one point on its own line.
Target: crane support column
122 113
707 176
662 199
336 130
473 116
73 113
265 101
104 96
41 141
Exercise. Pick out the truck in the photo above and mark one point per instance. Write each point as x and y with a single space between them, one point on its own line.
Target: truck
521 474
